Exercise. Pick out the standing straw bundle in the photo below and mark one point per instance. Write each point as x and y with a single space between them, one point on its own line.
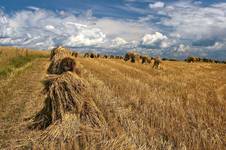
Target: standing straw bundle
63 94
69 112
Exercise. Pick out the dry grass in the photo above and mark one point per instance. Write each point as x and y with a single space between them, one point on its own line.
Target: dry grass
173 108
181 106
13 59
8 53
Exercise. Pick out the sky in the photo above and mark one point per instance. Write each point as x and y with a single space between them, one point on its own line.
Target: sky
172 28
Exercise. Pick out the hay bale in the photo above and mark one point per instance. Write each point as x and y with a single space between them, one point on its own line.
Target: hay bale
71 116
145 59
61 61
193 59
62 64
86 55
75 131
92 55
127 57
98 55
133 59
66 93
60 51
132 56
112 56
67 64
157 62
63 95
105 56
121 57
75 54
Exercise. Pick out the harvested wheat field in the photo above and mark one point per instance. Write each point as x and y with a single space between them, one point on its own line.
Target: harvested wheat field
115 105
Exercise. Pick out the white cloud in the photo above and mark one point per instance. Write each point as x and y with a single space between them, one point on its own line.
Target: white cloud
33 8
155 40
196 22
117 42
181 48
129 30
217 46
86 37
43 28
157 5
50 27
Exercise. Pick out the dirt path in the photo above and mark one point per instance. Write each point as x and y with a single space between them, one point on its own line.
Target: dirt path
21 97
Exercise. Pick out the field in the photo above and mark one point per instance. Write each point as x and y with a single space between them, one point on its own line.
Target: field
12 59
180 106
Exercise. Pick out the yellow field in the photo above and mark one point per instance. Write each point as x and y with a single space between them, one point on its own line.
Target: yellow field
7 53
181 106
13 60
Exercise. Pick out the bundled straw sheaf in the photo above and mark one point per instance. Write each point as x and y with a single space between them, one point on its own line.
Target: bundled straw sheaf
69 112
62 61
60 52
61 65
63 94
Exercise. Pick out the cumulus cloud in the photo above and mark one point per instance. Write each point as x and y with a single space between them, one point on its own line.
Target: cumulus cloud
86 36
181 48
156 40
157 5
42 28
218 46
127 29
196 22
49 27
46 29
117 42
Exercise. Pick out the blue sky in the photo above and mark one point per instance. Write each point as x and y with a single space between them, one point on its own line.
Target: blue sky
168 28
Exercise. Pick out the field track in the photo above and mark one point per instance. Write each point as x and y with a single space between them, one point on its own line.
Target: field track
20 98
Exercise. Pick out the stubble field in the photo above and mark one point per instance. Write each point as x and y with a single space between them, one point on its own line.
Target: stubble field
181 106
